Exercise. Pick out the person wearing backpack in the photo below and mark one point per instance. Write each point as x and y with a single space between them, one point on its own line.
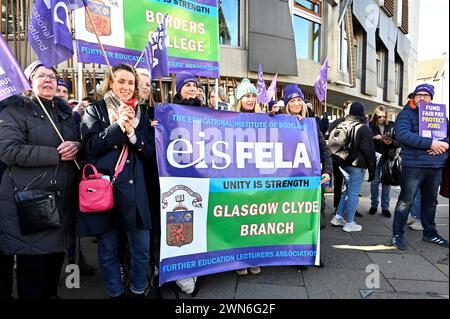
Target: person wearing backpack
352 147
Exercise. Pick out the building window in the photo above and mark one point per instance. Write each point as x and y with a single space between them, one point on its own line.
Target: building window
405 17
398 78
229 14
388 7
313 7
343 50
381 63
307 28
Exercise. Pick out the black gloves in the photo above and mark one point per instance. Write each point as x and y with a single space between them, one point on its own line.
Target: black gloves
371 177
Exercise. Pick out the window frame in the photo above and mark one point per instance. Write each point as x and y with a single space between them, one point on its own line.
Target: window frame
302 8
240 26
312 17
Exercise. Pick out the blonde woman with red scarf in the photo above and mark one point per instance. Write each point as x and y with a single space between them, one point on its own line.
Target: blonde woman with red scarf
108 126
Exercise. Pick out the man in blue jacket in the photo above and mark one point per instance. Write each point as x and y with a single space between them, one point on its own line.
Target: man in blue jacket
422 162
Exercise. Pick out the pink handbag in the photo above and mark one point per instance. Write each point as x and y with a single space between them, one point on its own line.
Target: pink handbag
96 192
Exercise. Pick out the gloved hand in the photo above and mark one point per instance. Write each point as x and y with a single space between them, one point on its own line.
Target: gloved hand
371 177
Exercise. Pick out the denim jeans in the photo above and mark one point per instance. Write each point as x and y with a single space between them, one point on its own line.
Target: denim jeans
108 256
375 187
415 210
353 178
426 181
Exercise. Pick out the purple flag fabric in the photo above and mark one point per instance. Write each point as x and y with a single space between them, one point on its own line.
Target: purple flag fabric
262 93
75 4
320 86
12 79
272 90
49 32
155 53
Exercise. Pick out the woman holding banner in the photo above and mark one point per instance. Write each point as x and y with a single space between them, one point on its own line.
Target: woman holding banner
293 99
41 169
109 127
245 101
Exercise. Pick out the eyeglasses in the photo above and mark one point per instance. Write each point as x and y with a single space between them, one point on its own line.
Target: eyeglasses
42 76
423 95
382 116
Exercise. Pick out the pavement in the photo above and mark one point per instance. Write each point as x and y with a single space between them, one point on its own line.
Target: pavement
351 261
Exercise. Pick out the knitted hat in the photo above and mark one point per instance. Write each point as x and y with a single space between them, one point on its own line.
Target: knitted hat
244 88
307 101
31 68
429 88
62 83
292 91
183 78
357 108
271 104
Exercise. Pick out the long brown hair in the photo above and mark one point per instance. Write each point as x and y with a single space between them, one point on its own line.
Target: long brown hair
106 85
376 114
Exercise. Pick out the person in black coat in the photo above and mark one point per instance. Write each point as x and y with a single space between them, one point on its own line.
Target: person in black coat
383 132
151 171
108 126
38 160
362 155
295 105
324 123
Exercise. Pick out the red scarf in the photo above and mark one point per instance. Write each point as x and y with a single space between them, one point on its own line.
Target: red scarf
133 103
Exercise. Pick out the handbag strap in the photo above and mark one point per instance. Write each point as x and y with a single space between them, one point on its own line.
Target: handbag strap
96 174
36 179
120 163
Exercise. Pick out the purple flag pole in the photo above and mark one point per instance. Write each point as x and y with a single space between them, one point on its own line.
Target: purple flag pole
49 32
156 52
320 86
12 79
272 90
262 93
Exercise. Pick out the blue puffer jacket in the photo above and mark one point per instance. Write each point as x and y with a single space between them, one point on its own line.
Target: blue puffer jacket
414 147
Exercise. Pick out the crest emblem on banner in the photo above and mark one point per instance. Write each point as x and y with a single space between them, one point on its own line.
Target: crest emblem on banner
180 221
180 224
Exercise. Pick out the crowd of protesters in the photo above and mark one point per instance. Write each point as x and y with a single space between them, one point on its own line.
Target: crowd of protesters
121 126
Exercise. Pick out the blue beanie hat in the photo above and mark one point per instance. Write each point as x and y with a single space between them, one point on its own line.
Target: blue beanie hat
271 104
184 78
357 108
429 88
292 91
307 101
244 88
62 83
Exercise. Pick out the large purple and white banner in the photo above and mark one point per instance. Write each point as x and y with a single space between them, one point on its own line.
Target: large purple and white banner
126 26
237 190
433 122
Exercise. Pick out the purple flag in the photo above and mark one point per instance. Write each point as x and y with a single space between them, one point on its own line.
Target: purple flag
12 79
49 32
272 90
155 53
262 93
320 86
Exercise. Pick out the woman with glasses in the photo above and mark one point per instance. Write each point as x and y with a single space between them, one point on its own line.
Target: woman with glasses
383 132
37 160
